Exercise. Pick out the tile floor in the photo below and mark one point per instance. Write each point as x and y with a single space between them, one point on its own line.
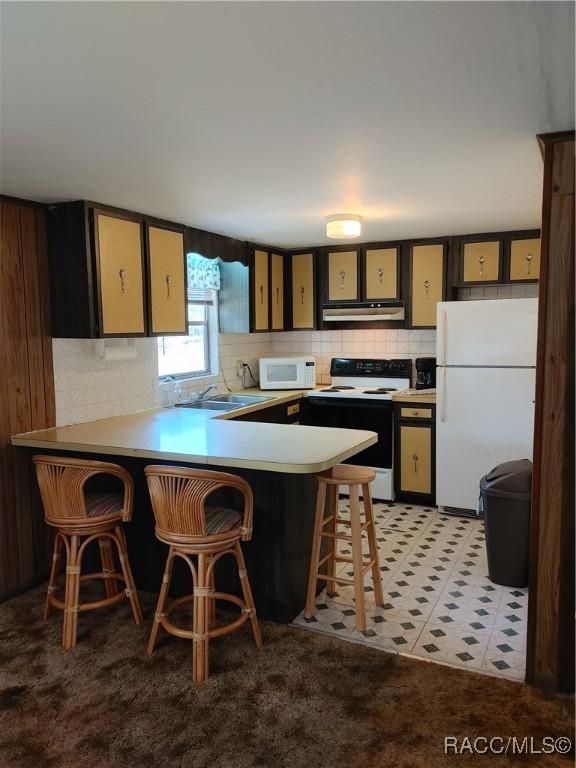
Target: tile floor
439 604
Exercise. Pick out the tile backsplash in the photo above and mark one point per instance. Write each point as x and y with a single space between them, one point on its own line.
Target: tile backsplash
324 345
89 387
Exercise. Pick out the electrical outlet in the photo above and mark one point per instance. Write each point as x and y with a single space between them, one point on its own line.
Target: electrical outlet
240 368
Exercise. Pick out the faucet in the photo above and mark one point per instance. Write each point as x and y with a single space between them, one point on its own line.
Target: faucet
201 395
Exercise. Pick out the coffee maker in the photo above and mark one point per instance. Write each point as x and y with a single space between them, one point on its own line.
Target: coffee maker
425 373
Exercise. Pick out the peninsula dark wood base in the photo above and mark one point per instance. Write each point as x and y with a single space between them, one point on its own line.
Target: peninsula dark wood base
277 558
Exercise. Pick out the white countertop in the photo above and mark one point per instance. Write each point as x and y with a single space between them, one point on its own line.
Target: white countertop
208 437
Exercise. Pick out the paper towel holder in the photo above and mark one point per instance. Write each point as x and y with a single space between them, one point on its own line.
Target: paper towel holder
115 349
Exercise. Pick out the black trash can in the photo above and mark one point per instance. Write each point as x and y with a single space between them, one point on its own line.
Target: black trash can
505 494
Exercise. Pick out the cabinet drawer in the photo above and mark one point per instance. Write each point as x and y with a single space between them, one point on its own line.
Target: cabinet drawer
481 262
416 459
416 413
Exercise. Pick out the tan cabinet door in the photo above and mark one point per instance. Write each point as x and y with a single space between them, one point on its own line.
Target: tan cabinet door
167 274
427 283
382 273
303 290
119 253
343 275
481 262
416 459
260 278
277 291
525 259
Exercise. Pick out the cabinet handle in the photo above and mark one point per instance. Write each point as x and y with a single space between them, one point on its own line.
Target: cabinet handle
415 460
122 276
302 294
427 288
342 278
261 294
529 258
277 295
168 286
380 275
414 413
481 261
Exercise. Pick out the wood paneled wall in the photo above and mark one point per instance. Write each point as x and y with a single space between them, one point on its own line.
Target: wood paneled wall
550 659
26 388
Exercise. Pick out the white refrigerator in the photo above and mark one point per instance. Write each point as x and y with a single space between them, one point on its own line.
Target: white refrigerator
485 383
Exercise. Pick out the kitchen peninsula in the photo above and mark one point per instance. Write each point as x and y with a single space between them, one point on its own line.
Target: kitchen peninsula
278 460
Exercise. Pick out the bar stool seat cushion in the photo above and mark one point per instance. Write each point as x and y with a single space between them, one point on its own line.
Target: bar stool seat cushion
221 520
98 504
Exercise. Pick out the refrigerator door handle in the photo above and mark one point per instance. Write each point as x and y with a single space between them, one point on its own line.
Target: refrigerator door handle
442 403
442 337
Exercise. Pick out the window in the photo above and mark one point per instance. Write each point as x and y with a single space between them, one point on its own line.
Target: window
182 357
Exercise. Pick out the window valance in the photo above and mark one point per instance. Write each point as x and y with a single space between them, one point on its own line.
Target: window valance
203 273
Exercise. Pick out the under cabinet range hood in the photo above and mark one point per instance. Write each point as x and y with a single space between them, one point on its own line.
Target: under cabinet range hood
363 311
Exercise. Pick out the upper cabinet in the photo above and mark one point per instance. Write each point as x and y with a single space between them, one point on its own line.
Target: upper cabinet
496 258
427 282
277 292
342 275
114 273
481 262
167 283
381 273
260 268
524 259
302 291
120 274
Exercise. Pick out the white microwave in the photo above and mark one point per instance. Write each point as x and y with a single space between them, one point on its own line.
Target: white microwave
287 372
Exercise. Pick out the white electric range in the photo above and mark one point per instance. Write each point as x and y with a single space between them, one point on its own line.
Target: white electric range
360 397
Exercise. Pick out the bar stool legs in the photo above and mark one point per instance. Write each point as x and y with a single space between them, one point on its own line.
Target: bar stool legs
247 592
325 526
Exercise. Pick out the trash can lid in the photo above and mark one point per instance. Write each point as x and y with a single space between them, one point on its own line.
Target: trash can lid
511 478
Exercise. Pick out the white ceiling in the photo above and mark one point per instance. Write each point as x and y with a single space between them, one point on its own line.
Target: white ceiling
260 119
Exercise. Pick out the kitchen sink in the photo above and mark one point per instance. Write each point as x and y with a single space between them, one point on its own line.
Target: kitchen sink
241 399
209 405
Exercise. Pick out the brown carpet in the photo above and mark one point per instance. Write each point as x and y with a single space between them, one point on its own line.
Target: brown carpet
304 701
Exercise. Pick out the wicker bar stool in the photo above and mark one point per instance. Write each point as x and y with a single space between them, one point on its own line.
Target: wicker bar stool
81 517
190 526
326 526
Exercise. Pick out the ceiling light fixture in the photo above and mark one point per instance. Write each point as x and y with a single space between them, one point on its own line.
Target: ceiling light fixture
344 226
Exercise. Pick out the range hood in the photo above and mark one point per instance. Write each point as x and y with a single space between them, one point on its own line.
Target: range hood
363 311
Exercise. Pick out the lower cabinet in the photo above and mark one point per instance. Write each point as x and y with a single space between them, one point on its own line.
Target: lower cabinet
282 413
414 452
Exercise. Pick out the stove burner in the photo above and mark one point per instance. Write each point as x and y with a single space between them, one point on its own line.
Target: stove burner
339 388
379 391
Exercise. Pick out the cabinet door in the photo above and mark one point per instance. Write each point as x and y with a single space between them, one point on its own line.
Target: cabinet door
481 262
119 254
381 273
167 281
416 459
343 276
427 283
525 259
277 291
303 290
260 286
